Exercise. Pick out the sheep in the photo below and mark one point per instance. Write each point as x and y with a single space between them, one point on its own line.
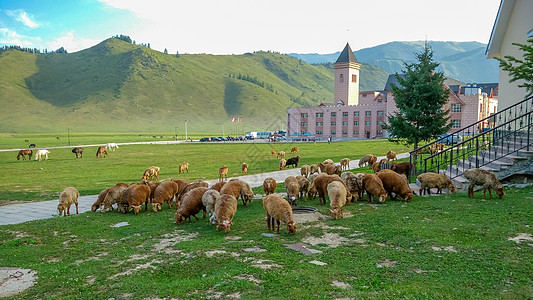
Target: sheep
247 195
311 190
304 187
269 185
209 199
68 197
191 186
225 209
99 200
293 189
114 194
244 168
345 164
391 155
138 195
484 178
293 161
374 188
165 192
238 188
376 167
402 168
394 183
294 149
281 154
439 181
304 171
353 184
322 166
273 151
368 159
282 164
184 167
217 186
313 169
331 169
321 183
337 198
153 185
151 173
190 205
278 210
223 173
40 153
441 146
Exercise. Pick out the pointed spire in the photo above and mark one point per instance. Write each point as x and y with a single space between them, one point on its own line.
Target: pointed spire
347 55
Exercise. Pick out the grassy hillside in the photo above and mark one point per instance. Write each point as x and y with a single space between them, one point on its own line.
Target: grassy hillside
119 87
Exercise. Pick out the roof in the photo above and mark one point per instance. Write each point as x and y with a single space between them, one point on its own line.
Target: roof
347 55
498 29
393 80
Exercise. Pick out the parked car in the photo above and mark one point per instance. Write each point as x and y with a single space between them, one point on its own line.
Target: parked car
204 139
449 139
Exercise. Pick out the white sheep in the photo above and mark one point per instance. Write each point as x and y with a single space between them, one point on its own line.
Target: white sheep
68 197
337 198
209 198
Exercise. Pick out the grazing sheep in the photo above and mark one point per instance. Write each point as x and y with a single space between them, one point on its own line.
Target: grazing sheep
322 166
282 164
484 178
391 155
337 198
441 146
311 190
321 184
99 200
374 188
223 173
293 161
209 198
439 181
331 169
394 183
304 187
191 186
68 197
238 188
217 186
304 171
345 164
368 159
151 173
40 153
294 149
101 151
138 194
328 161
293 189
191 204
353 184
153 185
313 169
278 210
281 154
184 167
114 194
402 168
273 152
244 168
269 185
225 209
165 192
377 166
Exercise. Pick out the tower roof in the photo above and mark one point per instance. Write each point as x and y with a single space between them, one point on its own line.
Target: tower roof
347 55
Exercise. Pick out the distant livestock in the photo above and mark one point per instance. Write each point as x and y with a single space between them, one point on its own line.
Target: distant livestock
112 146
184 167
484 178
293 161
223 173
32 146
78 150
22 153
101 151
281 154
294 149
40 153
244 168
68 197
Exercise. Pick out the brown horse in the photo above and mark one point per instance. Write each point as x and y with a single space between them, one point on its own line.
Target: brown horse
78 150
101 151
27 152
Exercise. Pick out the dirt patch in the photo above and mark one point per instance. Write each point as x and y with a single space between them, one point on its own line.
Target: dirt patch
333 240
340 284
97 257
254 249
233 238
307 218
139 267
447 248
166 245
15 280
387 263
248 277
521 237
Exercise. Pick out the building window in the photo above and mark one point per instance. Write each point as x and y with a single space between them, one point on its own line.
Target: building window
319 124
333 132
319 132
364 95
341 78
379 100
456 123
356 114
355 123
380 113
379 132
356 133
345 114
345 123
303 115
333 114
345 132
333 123
354 78
367 123
319 115
368 113
456 108
304 124
379 123
302 132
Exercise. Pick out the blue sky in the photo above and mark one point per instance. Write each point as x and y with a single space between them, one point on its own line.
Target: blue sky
239 26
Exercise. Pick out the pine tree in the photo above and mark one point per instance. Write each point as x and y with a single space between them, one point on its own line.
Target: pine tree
420 99
522 69
166 51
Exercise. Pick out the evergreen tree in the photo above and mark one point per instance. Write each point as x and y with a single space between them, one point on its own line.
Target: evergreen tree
520 69
177 54
166 51
420 99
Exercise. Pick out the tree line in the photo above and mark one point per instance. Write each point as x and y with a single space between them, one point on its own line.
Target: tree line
253 80
31 50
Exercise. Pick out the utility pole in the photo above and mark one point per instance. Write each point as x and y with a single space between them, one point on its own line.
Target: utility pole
186 130
68 136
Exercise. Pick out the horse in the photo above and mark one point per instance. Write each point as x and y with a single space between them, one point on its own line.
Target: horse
101 151
78 150
22 153
112 146
40 153
32 145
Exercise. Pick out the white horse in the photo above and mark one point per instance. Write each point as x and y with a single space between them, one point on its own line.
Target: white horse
40 153
112 146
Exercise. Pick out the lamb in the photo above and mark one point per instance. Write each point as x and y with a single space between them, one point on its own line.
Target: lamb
68 197
223 173
165 192
293 189
217 186
269 185
114 194
184 167
374 188
209 198
331 169
99 200
191 204
294 149
244 168
278 210
304 186
225 209
391 155
282 164
281 154
368 159
484 178
377 166
313 169
402 168
394 183
439 181
151 173
138 194
293 161
238 188
304 171
337 198
353 184
321 183
345 164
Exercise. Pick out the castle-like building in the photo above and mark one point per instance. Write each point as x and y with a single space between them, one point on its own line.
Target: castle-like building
355 114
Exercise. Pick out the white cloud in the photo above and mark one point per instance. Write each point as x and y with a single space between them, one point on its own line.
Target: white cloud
25 18
71 42
10 37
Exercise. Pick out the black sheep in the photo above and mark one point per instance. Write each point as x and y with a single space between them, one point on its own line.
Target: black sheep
293 161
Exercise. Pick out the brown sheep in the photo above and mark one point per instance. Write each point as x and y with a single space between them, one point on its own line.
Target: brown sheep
244 168
394 183
138 194
374 188
328 161
353 184
281 154
311 191
223 173
282 164
402 168
191 204
184 167
304 187
337 198
439 181
321 184
377 166
165 192
209 198
345 164
151 173
294 149
269 185
304 171
391 155
331 169
368 159
196 184
99 200
484 178
313 169
278 210
153 185
68 197
238 188
217 186
293 189
225 209
114 194
182 183
322 166
273 152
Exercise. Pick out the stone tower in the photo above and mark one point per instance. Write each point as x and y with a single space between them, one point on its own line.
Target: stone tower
347 78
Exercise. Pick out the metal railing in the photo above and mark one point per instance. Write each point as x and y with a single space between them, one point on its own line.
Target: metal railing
482 143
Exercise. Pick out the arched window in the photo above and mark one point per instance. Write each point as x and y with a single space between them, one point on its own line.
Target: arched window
341 78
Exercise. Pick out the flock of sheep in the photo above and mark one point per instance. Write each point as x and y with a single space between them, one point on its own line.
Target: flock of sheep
325 178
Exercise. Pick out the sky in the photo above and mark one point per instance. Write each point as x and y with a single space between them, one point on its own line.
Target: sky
240 26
